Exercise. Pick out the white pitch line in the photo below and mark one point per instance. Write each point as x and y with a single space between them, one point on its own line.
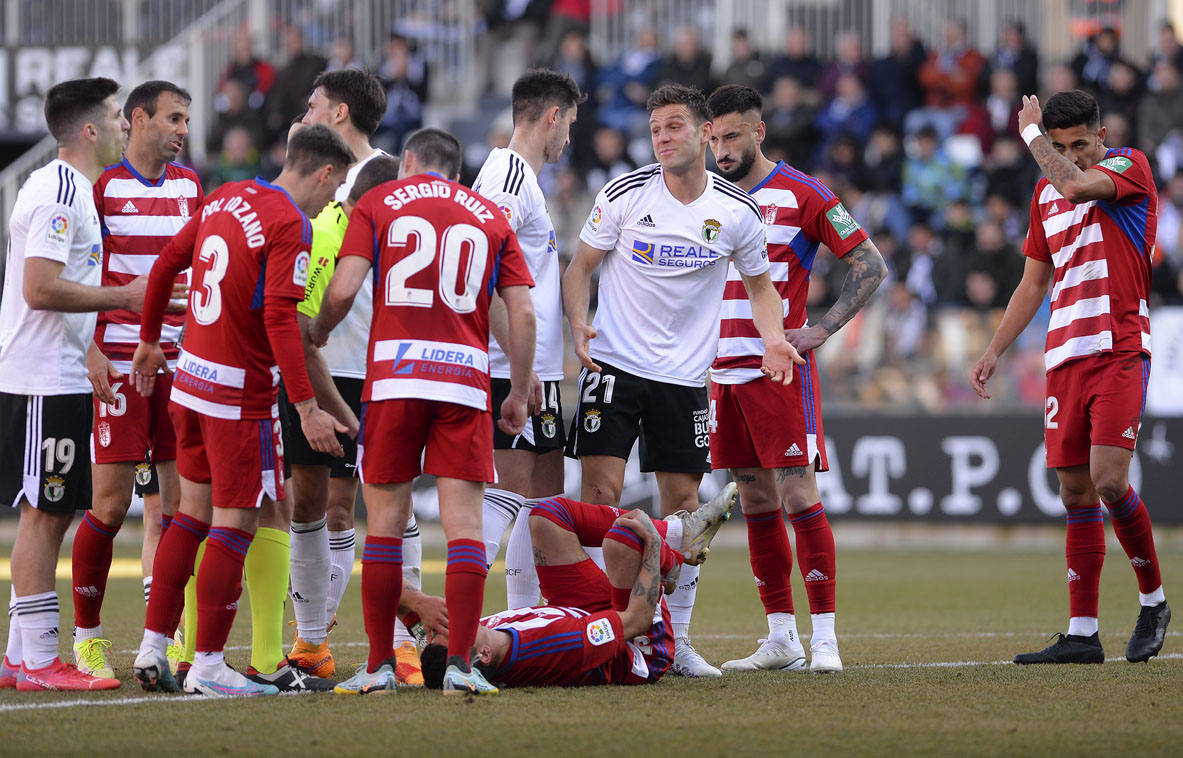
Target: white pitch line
966 664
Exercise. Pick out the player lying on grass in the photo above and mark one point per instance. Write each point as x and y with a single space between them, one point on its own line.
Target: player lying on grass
601 626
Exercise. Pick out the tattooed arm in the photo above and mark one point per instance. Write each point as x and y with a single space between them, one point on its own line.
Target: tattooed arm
1075 185
638 617
867 269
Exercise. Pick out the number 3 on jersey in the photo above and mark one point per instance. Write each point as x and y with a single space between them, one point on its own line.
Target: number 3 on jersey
458 289
206 301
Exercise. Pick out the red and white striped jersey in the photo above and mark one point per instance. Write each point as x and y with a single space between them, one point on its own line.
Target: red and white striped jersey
799 214
139 217
438 251
1101 251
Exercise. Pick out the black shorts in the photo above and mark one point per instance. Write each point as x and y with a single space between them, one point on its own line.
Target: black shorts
45 451
544 430
147 481
297 451
615 406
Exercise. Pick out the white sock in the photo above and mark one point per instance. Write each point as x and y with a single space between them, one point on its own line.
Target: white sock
823 628
521 578
412 572
13 651
673 537
1153 598
147 588
82 633
39 617
681 602
1082 626
782 628
497 512
212 660
342 554
309 581
154 642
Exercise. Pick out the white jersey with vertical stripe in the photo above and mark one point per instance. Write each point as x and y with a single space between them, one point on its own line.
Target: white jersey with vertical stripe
508 181
662 280
345 353
1101 251
43 352
139 216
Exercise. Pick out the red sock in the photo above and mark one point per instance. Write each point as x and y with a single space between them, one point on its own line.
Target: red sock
627 537
171 569
771 555
464 590
165 520
588 521
816 557
90 564
1085 551
219 585
1131 523
381 588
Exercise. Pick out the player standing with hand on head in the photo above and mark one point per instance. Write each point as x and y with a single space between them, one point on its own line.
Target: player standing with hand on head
662 236
771 436
1094 217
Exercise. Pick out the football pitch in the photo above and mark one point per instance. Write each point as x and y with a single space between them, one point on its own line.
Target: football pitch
927 627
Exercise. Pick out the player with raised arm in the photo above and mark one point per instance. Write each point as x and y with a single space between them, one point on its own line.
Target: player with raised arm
768 435
437 251
1094 216
143 201
324 488
52 293
530 464
249 253
661 237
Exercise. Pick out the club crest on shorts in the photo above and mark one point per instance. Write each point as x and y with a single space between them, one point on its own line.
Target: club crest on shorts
591 420
599 632
143 473
548 424
104 434
710 230
55 488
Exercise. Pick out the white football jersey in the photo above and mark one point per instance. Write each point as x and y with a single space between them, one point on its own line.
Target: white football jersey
345 352
508 181
661 283
44 352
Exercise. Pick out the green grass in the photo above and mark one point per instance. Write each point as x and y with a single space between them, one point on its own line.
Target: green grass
899 612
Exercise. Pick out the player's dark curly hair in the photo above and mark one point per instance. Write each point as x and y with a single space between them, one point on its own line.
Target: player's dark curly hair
361 91
539 89
69 104
680 94
434 659
734 98
1074 107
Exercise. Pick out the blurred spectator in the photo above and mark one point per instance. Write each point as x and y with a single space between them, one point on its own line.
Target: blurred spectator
904 324
997 209
1117 129
850 112
512 30
931 180
884 160
1061 78
405 76
1168 50
848 59
924 249
1169 243
341 55
1017 55
894 83
987 272
564 16
233 112
256 75
237 160
624 86
573 57
288 97
1004 102
843 161
1160 120
797 61
688 64
788 119
1123 93
950 81
1092 63
1009 172
747 68
610 158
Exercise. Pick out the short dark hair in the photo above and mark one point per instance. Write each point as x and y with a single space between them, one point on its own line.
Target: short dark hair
68 104
434 660
313 146
437 149
539 89
734 98
1071 108
679 94
376 171
145 96
361 91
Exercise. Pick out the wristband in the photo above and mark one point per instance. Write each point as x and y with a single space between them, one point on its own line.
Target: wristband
1029 133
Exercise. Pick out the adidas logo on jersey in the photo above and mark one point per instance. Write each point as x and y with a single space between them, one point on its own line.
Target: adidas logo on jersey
1053 209
1129 434
647 220
793 450
1073 576
1137 562
816 576
130 208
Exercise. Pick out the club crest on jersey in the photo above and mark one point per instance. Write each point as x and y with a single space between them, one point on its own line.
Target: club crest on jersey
599 632
300 271
183 208
548 425
104 434
55 488
143 473
591 420
770 214
710 230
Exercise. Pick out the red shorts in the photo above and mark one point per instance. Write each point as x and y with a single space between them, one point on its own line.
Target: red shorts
450 440
1094 401
759 424
576 585
126 430
242 459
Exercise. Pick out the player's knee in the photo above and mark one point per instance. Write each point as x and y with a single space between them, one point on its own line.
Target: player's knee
604 493
755 500
1111 486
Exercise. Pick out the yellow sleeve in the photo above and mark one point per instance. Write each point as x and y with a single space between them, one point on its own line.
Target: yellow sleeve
328 231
